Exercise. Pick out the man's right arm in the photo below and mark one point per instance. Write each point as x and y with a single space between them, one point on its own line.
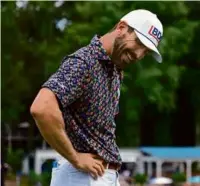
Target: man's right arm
48 117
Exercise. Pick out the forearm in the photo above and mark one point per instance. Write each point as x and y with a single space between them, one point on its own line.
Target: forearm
51 127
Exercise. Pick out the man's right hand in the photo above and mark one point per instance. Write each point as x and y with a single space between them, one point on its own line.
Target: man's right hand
90 163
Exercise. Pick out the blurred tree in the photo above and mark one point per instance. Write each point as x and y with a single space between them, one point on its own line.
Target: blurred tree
157 100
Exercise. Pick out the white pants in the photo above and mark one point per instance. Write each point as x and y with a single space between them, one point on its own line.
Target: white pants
64 174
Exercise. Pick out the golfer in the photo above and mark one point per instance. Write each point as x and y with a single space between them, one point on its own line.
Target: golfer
76 106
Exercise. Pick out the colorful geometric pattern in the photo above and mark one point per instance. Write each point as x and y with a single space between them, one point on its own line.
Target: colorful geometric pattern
87 86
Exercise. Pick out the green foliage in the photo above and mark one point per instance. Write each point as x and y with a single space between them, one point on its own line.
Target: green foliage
140 178
33 178
179 177
43 178
14 159
196 167
32 48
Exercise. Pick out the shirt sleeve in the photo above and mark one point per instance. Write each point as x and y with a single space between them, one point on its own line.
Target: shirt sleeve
69 82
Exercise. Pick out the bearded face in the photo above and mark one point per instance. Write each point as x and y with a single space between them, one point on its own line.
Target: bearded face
127 49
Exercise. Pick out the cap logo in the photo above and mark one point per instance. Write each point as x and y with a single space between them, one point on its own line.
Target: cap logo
153 31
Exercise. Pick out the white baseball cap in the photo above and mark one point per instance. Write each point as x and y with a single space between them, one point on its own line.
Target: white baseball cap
148 29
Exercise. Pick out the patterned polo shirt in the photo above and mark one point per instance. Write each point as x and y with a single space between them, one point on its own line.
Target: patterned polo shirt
87 87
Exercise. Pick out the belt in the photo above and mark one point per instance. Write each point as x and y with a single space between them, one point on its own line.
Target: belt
113 166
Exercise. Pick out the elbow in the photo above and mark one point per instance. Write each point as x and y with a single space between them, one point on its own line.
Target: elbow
36 110
33 111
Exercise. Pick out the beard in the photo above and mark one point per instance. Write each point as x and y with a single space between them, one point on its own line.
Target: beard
118 56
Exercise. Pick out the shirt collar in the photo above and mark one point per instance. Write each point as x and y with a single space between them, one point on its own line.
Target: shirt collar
97 49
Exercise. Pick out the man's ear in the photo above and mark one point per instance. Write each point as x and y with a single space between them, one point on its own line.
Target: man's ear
121 28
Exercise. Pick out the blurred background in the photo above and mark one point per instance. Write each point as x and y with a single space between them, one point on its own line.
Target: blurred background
158 128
